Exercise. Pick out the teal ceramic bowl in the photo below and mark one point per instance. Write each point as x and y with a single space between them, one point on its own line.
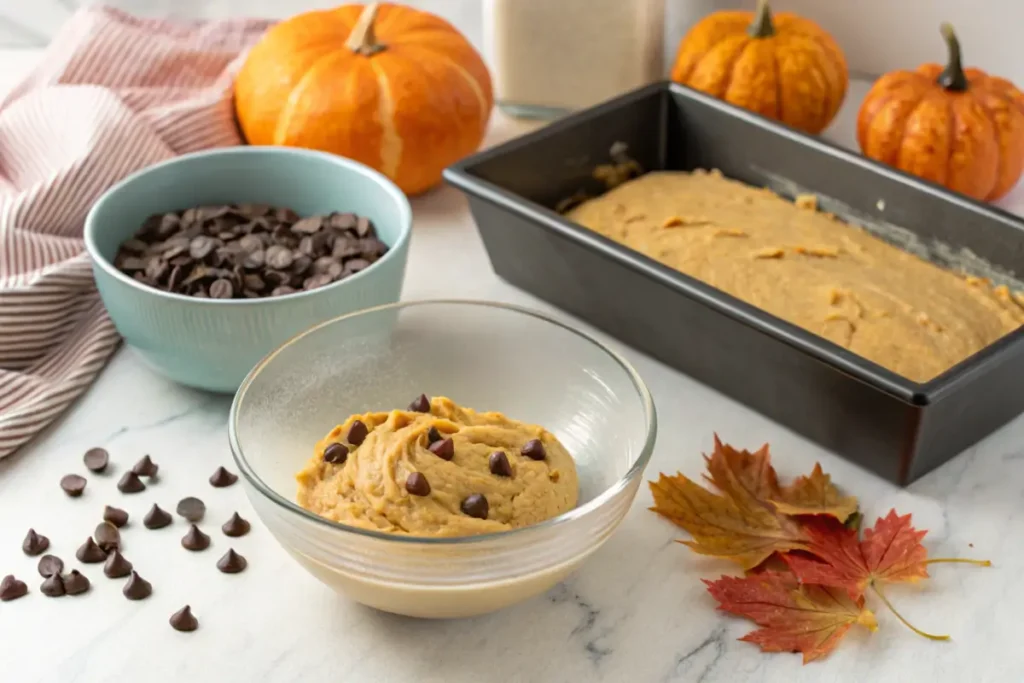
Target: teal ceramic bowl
212 344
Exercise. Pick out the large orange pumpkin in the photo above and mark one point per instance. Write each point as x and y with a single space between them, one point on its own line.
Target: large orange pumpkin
395 88
957 127
784 67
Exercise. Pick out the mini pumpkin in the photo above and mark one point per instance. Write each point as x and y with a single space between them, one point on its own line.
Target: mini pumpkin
392 87
784 67
957 127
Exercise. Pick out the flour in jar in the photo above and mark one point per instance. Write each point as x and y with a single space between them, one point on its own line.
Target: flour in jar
552 56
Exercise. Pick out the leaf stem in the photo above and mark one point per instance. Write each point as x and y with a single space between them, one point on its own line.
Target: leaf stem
899 616
979 563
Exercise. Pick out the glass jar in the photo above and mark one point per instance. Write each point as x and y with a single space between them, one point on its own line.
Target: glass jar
549 57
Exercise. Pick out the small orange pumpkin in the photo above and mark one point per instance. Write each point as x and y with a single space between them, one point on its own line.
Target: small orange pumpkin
786 68
957 127
392 87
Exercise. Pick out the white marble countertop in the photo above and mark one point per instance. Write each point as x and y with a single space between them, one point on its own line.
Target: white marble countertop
635 612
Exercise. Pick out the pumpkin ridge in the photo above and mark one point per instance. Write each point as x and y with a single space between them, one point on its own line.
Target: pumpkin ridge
790 25
731 68
284 120
474 84
903 128
391 141
951 132
779 111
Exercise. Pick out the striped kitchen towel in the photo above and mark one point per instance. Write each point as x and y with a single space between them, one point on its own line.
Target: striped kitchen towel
113 94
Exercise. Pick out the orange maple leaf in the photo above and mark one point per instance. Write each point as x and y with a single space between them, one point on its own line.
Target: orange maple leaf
793 617
814 495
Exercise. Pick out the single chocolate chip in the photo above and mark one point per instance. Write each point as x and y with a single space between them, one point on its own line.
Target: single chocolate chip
194 539
433 435
499 464
231 562
117 566
75 583
282 290
221 478
191 508
308 226
336 454
444 449
416 484
315 281
130 483
145 467
278 257
49 565
534 450
136 587
115 516
156 518
12 588
475 505
96 459
357 433
107 537
183 620
236 526
53 586
90 553
73 484
34 543
421 404
222 289
201 246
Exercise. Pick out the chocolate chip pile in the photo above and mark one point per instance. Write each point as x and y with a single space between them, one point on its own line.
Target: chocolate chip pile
247 251
416 484
105 544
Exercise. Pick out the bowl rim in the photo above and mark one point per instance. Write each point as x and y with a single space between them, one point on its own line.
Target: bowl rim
650 419
399 197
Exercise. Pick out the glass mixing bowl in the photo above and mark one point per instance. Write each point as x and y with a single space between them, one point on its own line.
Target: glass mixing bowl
486 356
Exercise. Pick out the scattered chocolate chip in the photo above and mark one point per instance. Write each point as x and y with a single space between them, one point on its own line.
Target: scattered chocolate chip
183 620
49 565
73 484
115 516
433 435
221 478
145 467
236 526
156 518
96 459
416 484
53 586
194 539
90 553
336 454
475 506
107 537
34 543
130 483
534 450
231 562
499 464
117 566
191 508
136 587
444 449
421 404
12 588
75 583
357 433
222 289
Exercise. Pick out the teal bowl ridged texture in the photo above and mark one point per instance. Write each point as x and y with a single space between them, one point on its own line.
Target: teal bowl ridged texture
212 344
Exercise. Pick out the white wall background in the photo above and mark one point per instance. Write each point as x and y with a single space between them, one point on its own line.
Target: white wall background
877 35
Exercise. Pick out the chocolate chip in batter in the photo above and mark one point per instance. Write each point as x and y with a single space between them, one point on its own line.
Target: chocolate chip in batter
130 483
433 435
73 484
34 543
90 553
475 506
96 459
421 404
336 454
444 449
416 484
534 450
499 464
357 433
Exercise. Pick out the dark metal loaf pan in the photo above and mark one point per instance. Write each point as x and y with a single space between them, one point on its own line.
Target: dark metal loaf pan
893 426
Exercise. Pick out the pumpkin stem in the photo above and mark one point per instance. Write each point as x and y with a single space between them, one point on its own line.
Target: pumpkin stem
363 38
953 77
762 26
